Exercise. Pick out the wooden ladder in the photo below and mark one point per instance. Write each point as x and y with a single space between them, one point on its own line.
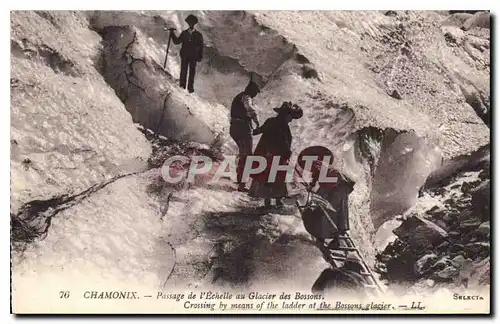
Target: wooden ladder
337 256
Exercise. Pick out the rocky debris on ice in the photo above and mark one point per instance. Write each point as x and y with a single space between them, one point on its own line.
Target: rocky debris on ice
424 263
448 243
163 148
420 231
481 200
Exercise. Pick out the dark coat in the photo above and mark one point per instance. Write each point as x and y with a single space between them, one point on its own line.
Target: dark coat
320 220
338 197
276 138
192 44
238 109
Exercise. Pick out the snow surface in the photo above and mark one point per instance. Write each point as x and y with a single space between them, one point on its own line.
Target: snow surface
102 239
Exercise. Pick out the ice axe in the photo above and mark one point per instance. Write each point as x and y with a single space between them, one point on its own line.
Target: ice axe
168 45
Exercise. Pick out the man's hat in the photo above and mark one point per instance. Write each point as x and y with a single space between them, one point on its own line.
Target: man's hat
191 19
290 109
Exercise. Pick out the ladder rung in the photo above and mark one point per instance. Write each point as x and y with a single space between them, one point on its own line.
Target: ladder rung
345 248
351 247
338 257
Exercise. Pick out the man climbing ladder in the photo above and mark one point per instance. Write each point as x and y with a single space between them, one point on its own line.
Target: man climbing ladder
326 217
348 269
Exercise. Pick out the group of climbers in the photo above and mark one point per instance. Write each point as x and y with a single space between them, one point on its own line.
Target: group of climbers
275 141
329 222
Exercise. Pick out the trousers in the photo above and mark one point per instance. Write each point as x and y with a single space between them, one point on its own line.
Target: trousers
187 63
241 132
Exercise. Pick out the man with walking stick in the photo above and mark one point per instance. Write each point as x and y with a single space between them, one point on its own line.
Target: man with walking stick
191 51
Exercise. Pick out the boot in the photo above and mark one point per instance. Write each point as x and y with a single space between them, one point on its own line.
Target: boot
279 202
267 202
242 188
334 244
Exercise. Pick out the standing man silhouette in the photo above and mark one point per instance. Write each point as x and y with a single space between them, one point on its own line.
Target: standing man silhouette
242 115
191 51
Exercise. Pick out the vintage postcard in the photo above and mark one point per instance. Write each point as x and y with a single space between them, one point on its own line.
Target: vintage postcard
250 162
